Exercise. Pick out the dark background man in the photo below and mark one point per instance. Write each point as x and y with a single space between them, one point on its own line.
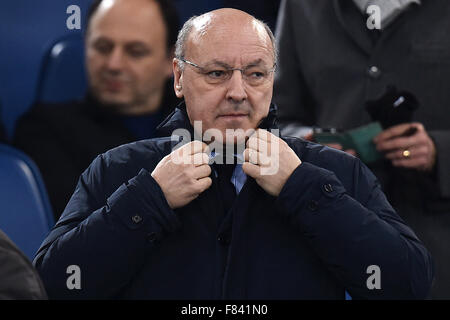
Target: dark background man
129 49
331 64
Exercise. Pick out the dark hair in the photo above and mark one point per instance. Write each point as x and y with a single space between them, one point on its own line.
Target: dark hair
169 14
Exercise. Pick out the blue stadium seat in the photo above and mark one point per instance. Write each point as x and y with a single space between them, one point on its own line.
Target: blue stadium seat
63 75
25 212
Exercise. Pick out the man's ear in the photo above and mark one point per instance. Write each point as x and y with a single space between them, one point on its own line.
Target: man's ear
177 78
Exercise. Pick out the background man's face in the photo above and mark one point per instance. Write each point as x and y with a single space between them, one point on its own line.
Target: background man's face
234 104
126 53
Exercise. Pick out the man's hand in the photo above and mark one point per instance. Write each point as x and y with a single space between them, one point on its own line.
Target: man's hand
413 151
184 174
269 160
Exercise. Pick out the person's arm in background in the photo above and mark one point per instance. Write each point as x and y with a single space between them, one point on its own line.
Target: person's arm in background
291 94
428 152
295 102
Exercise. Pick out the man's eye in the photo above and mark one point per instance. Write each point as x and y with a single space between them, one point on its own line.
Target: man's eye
216 74
256 74
103 48
137 52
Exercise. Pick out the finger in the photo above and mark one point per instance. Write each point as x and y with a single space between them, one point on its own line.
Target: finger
414 152
398 130
258 144
203 184
252 142
201 171
261 158
200 159
397 143
392 132
251 170
245 155
264 135
194 147
420 138
251 155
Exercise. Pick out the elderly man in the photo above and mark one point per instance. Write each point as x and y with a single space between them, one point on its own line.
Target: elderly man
152 221
129 52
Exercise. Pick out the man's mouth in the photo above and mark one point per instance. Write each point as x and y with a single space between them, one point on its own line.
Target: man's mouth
233 115
113 85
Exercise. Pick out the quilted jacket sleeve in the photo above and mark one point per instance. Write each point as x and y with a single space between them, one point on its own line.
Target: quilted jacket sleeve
106 241
349 223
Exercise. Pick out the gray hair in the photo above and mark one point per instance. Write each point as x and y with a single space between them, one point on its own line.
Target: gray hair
180 45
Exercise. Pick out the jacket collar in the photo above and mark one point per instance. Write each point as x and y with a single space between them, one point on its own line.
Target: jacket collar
179 119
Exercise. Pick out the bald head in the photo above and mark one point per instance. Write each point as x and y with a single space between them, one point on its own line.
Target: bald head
224 24
166 7
210 50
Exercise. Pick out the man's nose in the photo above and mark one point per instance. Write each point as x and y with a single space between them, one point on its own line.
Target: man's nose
115 60
236 87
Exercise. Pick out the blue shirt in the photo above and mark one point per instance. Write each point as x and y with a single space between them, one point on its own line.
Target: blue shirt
239 177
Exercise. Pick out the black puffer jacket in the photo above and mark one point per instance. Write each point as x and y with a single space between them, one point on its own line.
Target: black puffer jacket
18 278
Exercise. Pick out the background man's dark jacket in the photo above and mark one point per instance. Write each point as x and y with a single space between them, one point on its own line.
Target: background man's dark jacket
63 140
329 224
18 278
325 77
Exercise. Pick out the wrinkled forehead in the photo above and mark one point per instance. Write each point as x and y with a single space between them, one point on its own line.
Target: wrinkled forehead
229 39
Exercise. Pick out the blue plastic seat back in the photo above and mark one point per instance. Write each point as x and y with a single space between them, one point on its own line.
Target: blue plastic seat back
63 75
25 212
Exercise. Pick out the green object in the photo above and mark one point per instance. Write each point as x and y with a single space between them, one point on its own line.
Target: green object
358 139
328 137
362 140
